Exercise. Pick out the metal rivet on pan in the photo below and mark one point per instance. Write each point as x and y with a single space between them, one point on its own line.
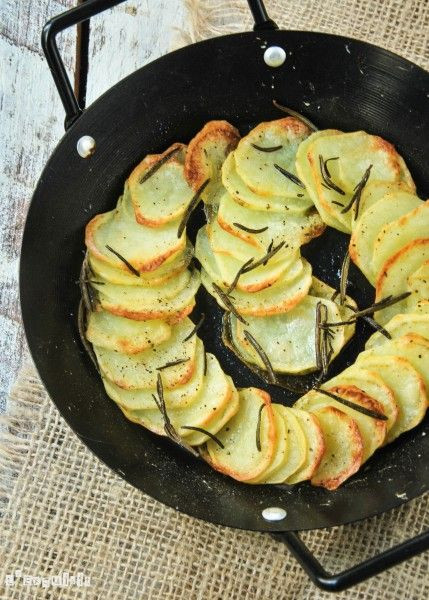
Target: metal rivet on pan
274 513
85 146
274 56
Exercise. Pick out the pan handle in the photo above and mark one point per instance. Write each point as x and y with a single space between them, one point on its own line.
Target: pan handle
83 12
358 573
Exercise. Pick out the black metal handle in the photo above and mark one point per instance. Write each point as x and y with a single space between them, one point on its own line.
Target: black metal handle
368 568
83 12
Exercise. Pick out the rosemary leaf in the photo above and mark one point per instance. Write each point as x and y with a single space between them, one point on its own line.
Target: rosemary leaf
249 229
362 409
388 301
327 181
263 261
172 363
334 201
258 428
124 260
262 355
344 278
229 305
205 432
377 326
82 323
159 164
196 328
240 272
191 207
355 199
293 178
297 115
267 148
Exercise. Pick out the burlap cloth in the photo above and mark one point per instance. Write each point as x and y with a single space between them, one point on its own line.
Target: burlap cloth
64 512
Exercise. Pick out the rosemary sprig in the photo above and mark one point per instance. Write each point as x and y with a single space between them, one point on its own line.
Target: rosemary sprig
344 278
159 164
239 273
82 324
124 260
297 115
173 363
258 428
326 176
362 409
86 290
191 207
388 301
196 328
262 355
267 148
229 305
205 363
263 261
377 326
323 344
355 199
293 178
249 229
168 427
205 432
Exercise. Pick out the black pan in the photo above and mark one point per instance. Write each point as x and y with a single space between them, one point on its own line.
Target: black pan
337 82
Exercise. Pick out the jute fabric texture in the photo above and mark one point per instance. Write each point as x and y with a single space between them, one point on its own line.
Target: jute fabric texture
65 515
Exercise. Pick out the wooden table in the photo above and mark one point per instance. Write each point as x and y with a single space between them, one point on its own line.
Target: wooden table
31 121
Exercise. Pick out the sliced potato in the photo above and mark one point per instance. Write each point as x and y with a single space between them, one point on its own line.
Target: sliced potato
315 446
125 335
299 204
370 381
222 269
373 431
406 383
164 196
393 277
279 298
418 285
343 448
138 371
376 190
211 403
145 248
240 457
257 168
398 233
400 325
370 223
206 153
288 339
294 230
167 302
178 397
297 448
170 268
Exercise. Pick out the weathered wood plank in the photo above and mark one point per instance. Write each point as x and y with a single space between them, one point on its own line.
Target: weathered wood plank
128 37
31 123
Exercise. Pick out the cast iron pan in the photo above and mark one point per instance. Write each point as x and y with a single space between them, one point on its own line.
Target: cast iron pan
335 81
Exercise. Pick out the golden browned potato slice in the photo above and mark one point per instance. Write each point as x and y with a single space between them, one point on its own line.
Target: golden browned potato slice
206 153
222 269
211 403
145 248
279 298
247 198
368 226
370 381
258 168
294 230
343 448
396 234
400 325
297 448
171 301
125 335
288 339
315 446
178 397
407 385
373 431
137 371
393 277
102 271
240 457
165 194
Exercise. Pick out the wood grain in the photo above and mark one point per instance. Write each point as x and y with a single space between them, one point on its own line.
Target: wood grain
31 123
